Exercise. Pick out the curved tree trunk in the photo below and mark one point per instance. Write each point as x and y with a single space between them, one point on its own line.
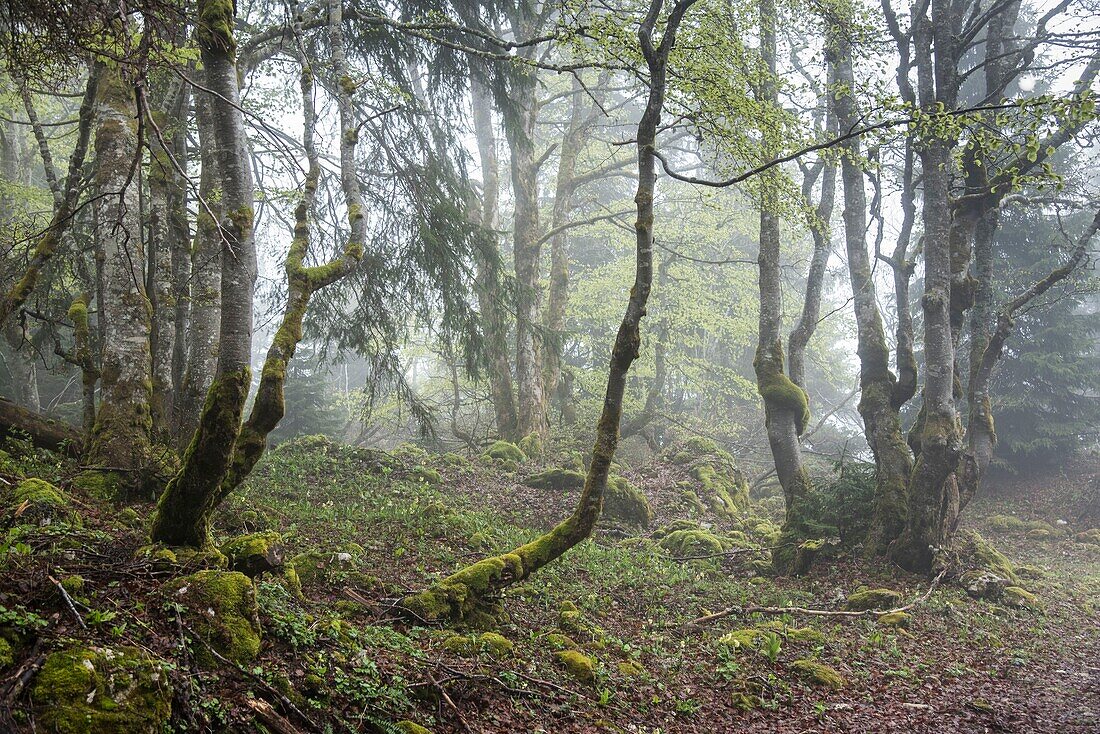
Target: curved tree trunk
120 446
183 514
464 595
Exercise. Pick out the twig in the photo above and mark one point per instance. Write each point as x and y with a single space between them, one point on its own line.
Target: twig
68 602
286 702
816 612
450 702
270 717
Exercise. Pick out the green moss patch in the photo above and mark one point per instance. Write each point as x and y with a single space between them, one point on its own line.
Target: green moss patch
624 502
36 502
868 599
505 451
254 553
223 612
85 690
577 665
818 673
561 479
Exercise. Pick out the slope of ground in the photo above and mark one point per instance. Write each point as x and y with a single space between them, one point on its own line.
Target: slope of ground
362 528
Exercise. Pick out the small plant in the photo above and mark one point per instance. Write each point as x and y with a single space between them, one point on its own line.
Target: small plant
773 644
605 697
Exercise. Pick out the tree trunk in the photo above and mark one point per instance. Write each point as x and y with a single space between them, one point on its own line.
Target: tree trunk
881 419
183 515
464 595
205 267
44 432
269 405
121 442
488 264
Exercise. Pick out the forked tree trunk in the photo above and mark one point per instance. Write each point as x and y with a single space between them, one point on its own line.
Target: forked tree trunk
120 448
881 418
184 512
466 594
303 281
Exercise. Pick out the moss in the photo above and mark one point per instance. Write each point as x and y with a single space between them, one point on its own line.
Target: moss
804 634
462 645
562 479
1014 596
623 501
128 516
531 445
570 618
818 673
426 475
86 690
411 727
777 389
630 669
104 485
861 601
682 543
895 619
743 639
254 553
505 451
1006 523
73 584
313 566
1030 572
1089 537
975 551
578 665
37 502
496 645
558 641
225 614
6 655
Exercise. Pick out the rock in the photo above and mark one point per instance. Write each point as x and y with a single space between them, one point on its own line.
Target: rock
505 451
561 479
558 641
743 639
1014 596
974 550
531 446
1089 537
578 665
623 501
313 566
411 727
983 584
88 690
255 553
630 669
36 502
569 617
461 645
426 475
818 673
1006 523
882 599
1030 572
224 613
804 634
496 645
895 619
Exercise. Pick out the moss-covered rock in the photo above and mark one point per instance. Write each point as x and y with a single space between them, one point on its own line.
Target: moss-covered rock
570 618
255 553
7 655
624 502
1030 572
818 673
223 612
426 475
495 644
560 479
36 502
531 446
717 481
85 690
556 641
683 538
578 665
1089 537
411 727
128 516
867 599
976 553
895 619
983 584
505 451
630 669
803 634
1006 523
1014 596
314 566
463 645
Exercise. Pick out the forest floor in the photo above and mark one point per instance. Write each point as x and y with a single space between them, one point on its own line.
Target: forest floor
378 525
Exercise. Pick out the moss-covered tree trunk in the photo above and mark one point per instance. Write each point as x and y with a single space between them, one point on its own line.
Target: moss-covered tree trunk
121 442
21 366
51 239
184 512
786 412
487 278
466 594
303 281
881 417
205 267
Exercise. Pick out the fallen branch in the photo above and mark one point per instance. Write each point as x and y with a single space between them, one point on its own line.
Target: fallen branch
738 610
270 717
68 602
450 702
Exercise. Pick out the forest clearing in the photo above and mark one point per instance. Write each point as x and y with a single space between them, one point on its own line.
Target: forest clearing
463 366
